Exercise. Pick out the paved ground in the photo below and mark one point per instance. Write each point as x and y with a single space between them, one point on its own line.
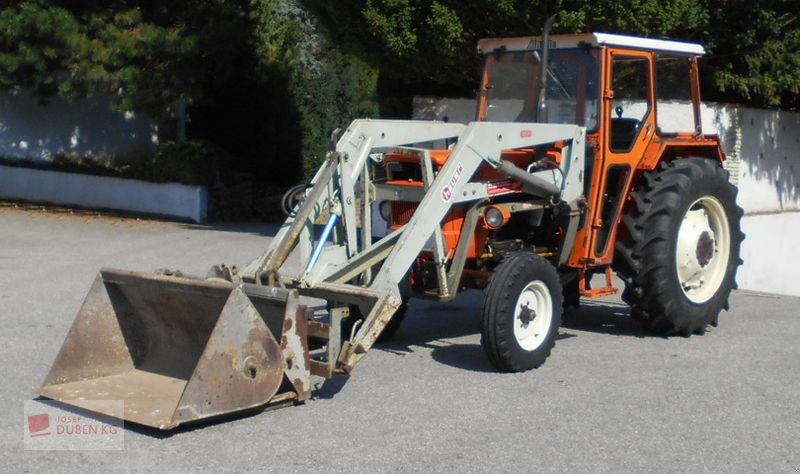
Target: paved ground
610 398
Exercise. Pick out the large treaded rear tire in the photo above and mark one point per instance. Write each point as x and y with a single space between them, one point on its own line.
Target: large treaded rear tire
511 341
654 258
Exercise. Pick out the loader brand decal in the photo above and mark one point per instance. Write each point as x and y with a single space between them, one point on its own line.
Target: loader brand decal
526 134
447 192
537 44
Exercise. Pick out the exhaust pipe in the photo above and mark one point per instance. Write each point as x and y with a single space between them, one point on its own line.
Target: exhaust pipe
541 104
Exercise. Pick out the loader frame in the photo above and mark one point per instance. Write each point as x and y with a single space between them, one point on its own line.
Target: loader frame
353 269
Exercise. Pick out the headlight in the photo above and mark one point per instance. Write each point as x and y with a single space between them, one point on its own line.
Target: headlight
496 217
386 210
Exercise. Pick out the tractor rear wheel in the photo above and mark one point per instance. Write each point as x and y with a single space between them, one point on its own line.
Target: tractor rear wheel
682 253
522 309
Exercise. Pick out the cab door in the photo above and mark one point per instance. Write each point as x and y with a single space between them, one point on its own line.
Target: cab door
629 126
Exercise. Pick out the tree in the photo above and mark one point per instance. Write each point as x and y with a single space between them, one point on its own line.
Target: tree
754 47
754 52
268 80
428 46
75 52
259 77
327 85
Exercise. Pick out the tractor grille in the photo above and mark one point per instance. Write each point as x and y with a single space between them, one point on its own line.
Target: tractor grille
402 212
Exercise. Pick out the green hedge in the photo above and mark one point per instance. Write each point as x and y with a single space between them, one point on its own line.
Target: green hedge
194 162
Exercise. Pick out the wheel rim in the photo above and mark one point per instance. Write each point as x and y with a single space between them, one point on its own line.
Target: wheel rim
703 249
533 315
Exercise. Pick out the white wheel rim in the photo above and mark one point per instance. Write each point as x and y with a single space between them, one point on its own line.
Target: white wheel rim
533 315
703 249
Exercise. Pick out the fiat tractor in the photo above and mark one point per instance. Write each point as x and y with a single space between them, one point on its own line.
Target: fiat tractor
586 157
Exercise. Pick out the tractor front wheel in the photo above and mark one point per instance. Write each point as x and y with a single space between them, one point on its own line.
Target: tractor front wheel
521 312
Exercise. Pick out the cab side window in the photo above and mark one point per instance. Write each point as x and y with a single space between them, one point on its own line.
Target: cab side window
630 82
674 110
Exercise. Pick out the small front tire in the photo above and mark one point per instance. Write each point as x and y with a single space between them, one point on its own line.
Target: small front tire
522 310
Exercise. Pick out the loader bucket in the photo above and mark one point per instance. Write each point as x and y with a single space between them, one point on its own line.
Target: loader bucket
176 350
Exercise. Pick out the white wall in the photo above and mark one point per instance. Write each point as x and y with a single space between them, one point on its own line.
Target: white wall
86 128
763 152
102 192
770 253
83 127
769 177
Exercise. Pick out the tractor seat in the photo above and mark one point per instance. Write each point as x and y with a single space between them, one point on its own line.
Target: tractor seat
623 133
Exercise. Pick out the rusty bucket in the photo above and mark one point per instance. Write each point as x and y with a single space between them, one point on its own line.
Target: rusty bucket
176 349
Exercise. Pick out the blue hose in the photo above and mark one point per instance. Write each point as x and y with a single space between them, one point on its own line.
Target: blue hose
326 232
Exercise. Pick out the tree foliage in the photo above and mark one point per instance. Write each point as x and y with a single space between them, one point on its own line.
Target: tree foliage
753 46
267 80
259 78
329 86
37 44
55 49
755 52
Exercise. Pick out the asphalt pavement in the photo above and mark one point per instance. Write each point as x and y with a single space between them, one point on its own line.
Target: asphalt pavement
611 397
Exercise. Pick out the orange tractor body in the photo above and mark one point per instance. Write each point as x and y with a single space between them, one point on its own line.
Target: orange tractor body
620 148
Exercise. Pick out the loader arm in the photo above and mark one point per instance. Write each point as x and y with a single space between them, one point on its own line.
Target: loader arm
480 142
348 160
177 349
180 349
343 184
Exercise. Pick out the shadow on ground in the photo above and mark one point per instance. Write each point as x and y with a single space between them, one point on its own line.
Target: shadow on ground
434 326
147 430
604 317
442 328
438 326
266 229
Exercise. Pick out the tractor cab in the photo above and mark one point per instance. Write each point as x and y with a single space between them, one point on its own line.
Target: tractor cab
582 70
639 99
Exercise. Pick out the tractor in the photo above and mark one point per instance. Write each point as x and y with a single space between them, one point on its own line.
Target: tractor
586 157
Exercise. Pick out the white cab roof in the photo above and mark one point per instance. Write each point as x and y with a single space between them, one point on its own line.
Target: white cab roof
526 43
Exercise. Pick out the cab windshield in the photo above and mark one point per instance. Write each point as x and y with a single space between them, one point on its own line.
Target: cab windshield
513 82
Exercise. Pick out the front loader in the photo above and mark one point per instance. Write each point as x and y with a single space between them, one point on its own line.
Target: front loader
569 170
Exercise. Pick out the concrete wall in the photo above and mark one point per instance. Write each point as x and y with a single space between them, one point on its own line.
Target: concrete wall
770 253
164 199
766 144
763 151
763 147
86 127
